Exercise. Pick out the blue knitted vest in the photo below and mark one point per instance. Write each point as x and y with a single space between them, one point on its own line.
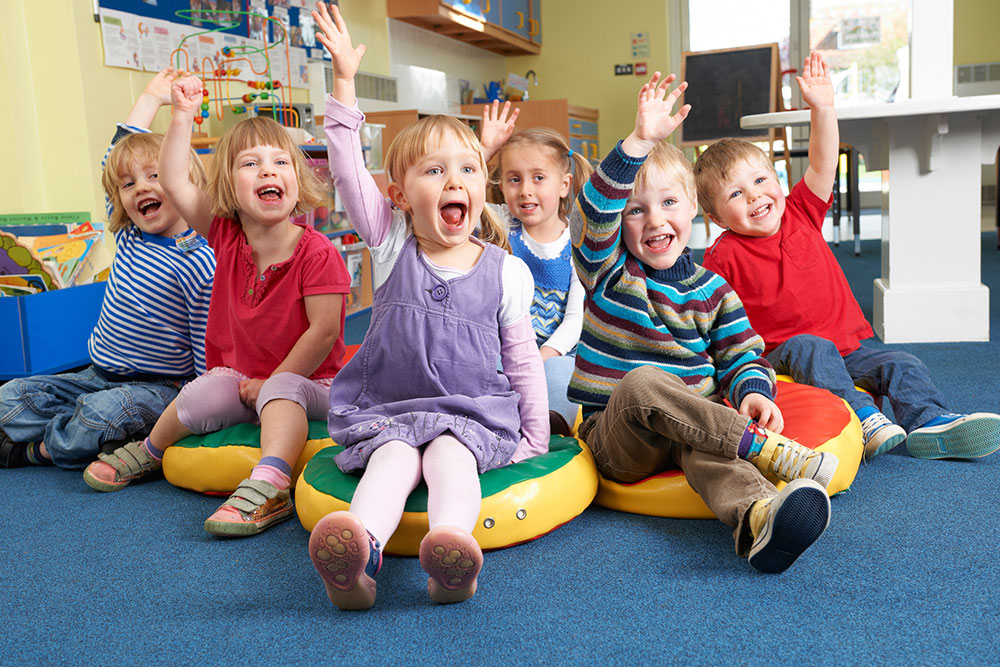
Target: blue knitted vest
552 278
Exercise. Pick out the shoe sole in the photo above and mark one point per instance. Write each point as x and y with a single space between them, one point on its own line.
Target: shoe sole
803 516
970 439
886 446
339 550
247 528
101 485
452 559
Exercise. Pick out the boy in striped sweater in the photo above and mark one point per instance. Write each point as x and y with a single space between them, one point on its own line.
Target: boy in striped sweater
150 335
664 341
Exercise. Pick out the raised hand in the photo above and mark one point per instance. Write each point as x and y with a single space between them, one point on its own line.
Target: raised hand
654 119
815 84
497 127
158 87
337 40
186 94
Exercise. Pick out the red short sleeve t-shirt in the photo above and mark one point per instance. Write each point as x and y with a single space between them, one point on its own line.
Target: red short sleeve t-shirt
255 320
790 283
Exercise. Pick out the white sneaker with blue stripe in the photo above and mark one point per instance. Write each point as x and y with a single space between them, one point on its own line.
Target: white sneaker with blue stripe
954 436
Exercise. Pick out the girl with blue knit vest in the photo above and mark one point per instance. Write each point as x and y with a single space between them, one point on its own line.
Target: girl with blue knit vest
539 177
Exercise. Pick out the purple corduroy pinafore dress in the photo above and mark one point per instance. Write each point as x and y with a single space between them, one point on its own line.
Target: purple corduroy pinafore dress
428 366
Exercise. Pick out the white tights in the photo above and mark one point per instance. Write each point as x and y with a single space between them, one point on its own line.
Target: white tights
394 470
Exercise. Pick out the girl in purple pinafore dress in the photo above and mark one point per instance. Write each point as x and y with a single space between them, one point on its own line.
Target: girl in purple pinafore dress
422 399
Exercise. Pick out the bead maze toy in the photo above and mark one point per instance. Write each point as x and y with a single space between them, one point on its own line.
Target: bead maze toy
221 71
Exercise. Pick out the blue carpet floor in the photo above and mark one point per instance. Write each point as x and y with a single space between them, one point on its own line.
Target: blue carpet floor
906 573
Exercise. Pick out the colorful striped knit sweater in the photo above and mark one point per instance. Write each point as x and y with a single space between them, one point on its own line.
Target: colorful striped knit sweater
685 320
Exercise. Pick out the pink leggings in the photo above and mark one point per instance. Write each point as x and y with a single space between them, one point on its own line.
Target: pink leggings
394 470
212 401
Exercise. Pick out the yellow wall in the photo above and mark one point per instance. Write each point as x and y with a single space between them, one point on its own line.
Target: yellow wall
976 23
579 51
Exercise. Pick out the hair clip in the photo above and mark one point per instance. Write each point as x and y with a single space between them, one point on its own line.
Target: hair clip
570 154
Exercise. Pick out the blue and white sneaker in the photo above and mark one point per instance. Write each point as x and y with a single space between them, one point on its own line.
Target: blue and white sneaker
880 434
954 436
794 520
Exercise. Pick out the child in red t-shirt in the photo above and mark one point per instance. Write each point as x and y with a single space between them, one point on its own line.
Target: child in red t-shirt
275 320
797 298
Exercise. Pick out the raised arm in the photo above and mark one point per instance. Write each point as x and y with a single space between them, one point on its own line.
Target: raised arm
345 56
824 132
191 202
496 128
155 95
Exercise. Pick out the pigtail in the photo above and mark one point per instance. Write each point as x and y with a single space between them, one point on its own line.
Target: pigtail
581 169
491 229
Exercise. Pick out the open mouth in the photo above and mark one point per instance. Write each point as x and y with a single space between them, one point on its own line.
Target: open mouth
149 207
270 193
453 214
660 243
761 212
528 207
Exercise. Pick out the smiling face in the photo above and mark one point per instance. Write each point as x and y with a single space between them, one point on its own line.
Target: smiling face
265 183
444 191
144 202
533 184
656 221
749 201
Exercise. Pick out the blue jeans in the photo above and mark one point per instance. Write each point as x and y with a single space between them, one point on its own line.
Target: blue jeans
899 376
76 413
558 371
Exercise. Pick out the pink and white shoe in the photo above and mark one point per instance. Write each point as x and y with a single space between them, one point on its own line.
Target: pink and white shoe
347 558
453 559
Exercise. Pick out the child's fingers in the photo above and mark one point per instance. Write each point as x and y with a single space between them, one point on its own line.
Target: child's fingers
513 115
505 111
339 19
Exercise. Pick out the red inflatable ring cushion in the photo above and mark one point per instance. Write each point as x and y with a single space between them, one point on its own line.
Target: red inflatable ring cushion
813 417
217 462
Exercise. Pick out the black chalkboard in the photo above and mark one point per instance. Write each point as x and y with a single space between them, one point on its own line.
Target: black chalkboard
724 85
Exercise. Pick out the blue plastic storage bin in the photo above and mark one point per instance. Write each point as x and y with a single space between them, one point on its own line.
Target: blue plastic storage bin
47 333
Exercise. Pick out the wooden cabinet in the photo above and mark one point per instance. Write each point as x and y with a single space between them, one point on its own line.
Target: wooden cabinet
396 120
578 124
507 27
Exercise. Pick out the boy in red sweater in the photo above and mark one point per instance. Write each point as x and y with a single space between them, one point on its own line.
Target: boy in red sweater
796 296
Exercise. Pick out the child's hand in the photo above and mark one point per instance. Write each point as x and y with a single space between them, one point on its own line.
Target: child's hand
497 127
654 119
186 94
249 390
159 86
815 84
762 410
334 36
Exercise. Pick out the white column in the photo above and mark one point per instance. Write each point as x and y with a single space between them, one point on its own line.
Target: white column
932 43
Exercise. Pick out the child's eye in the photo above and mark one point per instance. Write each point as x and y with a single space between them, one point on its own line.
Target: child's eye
669 201
153 177
539 178
281 161
434 171
736 194
759 180
468 170
127 184
635 210
514 180
249 163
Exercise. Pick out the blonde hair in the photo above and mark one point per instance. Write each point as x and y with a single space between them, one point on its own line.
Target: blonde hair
414 141
713 168
259 131
143 147
571 162
666 162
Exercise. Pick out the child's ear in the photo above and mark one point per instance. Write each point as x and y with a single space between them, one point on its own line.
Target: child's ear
714 219
398 197
567 182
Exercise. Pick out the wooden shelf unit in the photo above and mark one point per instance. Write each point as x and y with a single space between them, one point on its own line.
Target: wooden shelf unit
444 18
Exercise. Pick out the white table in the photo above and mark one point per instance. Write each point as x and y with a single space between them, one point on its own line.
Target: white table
931 286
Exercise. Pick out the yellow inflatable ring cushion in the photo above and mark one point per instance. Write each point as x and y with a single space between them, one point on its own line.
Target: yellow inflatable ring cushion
216 463
521 501
813 417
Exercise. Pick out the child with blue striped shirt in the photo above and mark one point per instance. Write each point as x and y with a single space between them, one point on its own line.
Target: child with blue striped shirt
665 340
150 335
